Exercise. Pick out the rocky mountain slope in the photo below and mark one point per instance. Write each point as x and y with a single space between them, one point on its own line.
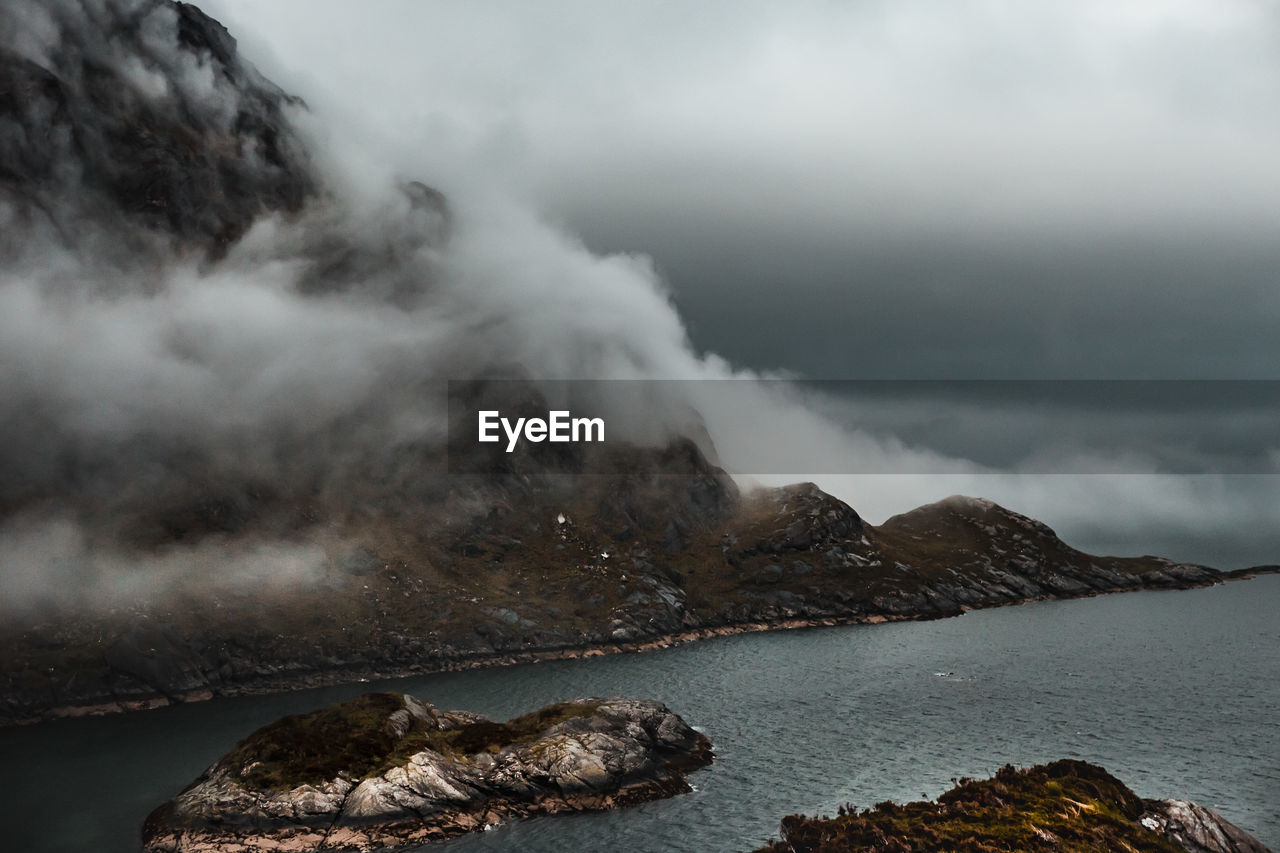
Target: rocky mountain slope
143 110
555 565
194 541
388 771
1069 806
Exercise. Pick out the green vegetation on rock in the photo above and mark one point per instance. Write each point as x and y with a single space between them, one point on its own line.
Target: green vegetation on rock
359 739
388 771
312 748
1067 806
492 737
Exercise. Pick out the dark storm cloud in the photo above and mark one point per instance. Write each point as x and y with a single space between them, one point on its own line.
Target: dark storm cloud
153 392
880 189
1072 426
886 189
1147 309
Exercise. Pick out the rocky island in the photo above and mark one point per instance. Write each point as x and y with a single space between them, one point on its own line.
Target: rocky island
1068 806
387 770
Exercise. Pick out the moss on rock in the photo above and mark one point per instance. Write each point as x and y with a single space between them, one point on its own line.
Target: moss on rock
360 739
1067 806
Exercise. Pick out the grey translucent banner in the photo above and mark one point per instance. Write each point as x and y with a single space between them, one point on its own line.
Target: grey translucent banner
793 427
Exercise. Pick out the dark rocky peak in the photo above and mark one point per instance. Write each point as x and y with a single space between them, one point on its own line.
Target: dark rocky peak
611 497
960 513
958 529
139 118
199 32
800 517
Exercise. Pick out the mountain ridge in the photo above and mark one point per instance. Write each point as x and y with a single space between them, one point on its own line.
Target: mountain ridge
551 567
268 541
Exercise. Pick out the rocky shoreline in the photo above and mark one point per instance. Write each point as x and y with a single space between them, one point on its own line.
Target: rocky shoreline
290 681
1068 805
409 557
387 770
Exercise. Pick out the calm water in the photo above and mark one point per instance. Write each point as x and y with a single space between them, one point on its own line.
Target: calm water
1175 692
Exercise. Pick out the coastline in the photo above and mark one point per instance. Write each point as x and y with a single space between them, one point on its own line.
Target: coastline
344 676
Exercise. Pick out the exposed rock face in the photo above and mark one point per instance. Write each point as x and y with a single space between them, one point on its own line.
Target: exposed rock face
503 568
1068 806
388 770
132 122
160 120
1198 829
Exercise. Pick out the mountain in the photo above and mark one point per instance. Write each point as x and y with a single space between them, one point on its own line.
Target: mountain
143 110
531 566
223 466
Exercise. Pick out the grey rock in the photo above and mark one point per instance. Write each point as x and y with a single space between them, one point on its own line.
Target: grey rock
1198 829
86 139
599 754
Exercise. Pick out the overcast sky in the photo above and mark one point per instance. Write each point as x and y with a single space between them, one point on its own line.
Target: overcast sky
864 189
881 189
872 190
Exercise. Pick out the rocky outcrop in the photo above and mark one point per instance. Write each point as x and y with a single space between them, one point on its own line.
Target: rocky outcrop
1198 829
532 565
130 123
388 770
1068 806
141 110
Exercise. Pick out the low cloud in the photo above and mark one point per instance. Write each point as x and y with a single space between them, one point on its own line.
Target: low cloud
137 372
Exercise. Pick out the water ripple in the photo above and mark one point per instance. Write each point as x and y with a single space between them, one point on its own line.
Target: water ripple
1173 692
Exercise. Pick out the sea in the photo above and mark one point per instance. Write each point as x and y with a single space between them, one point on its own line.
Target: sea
1176 693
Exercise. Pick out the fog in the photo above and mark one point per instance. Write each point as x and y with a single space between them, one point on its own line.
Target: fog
645 192
892 190
872 189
